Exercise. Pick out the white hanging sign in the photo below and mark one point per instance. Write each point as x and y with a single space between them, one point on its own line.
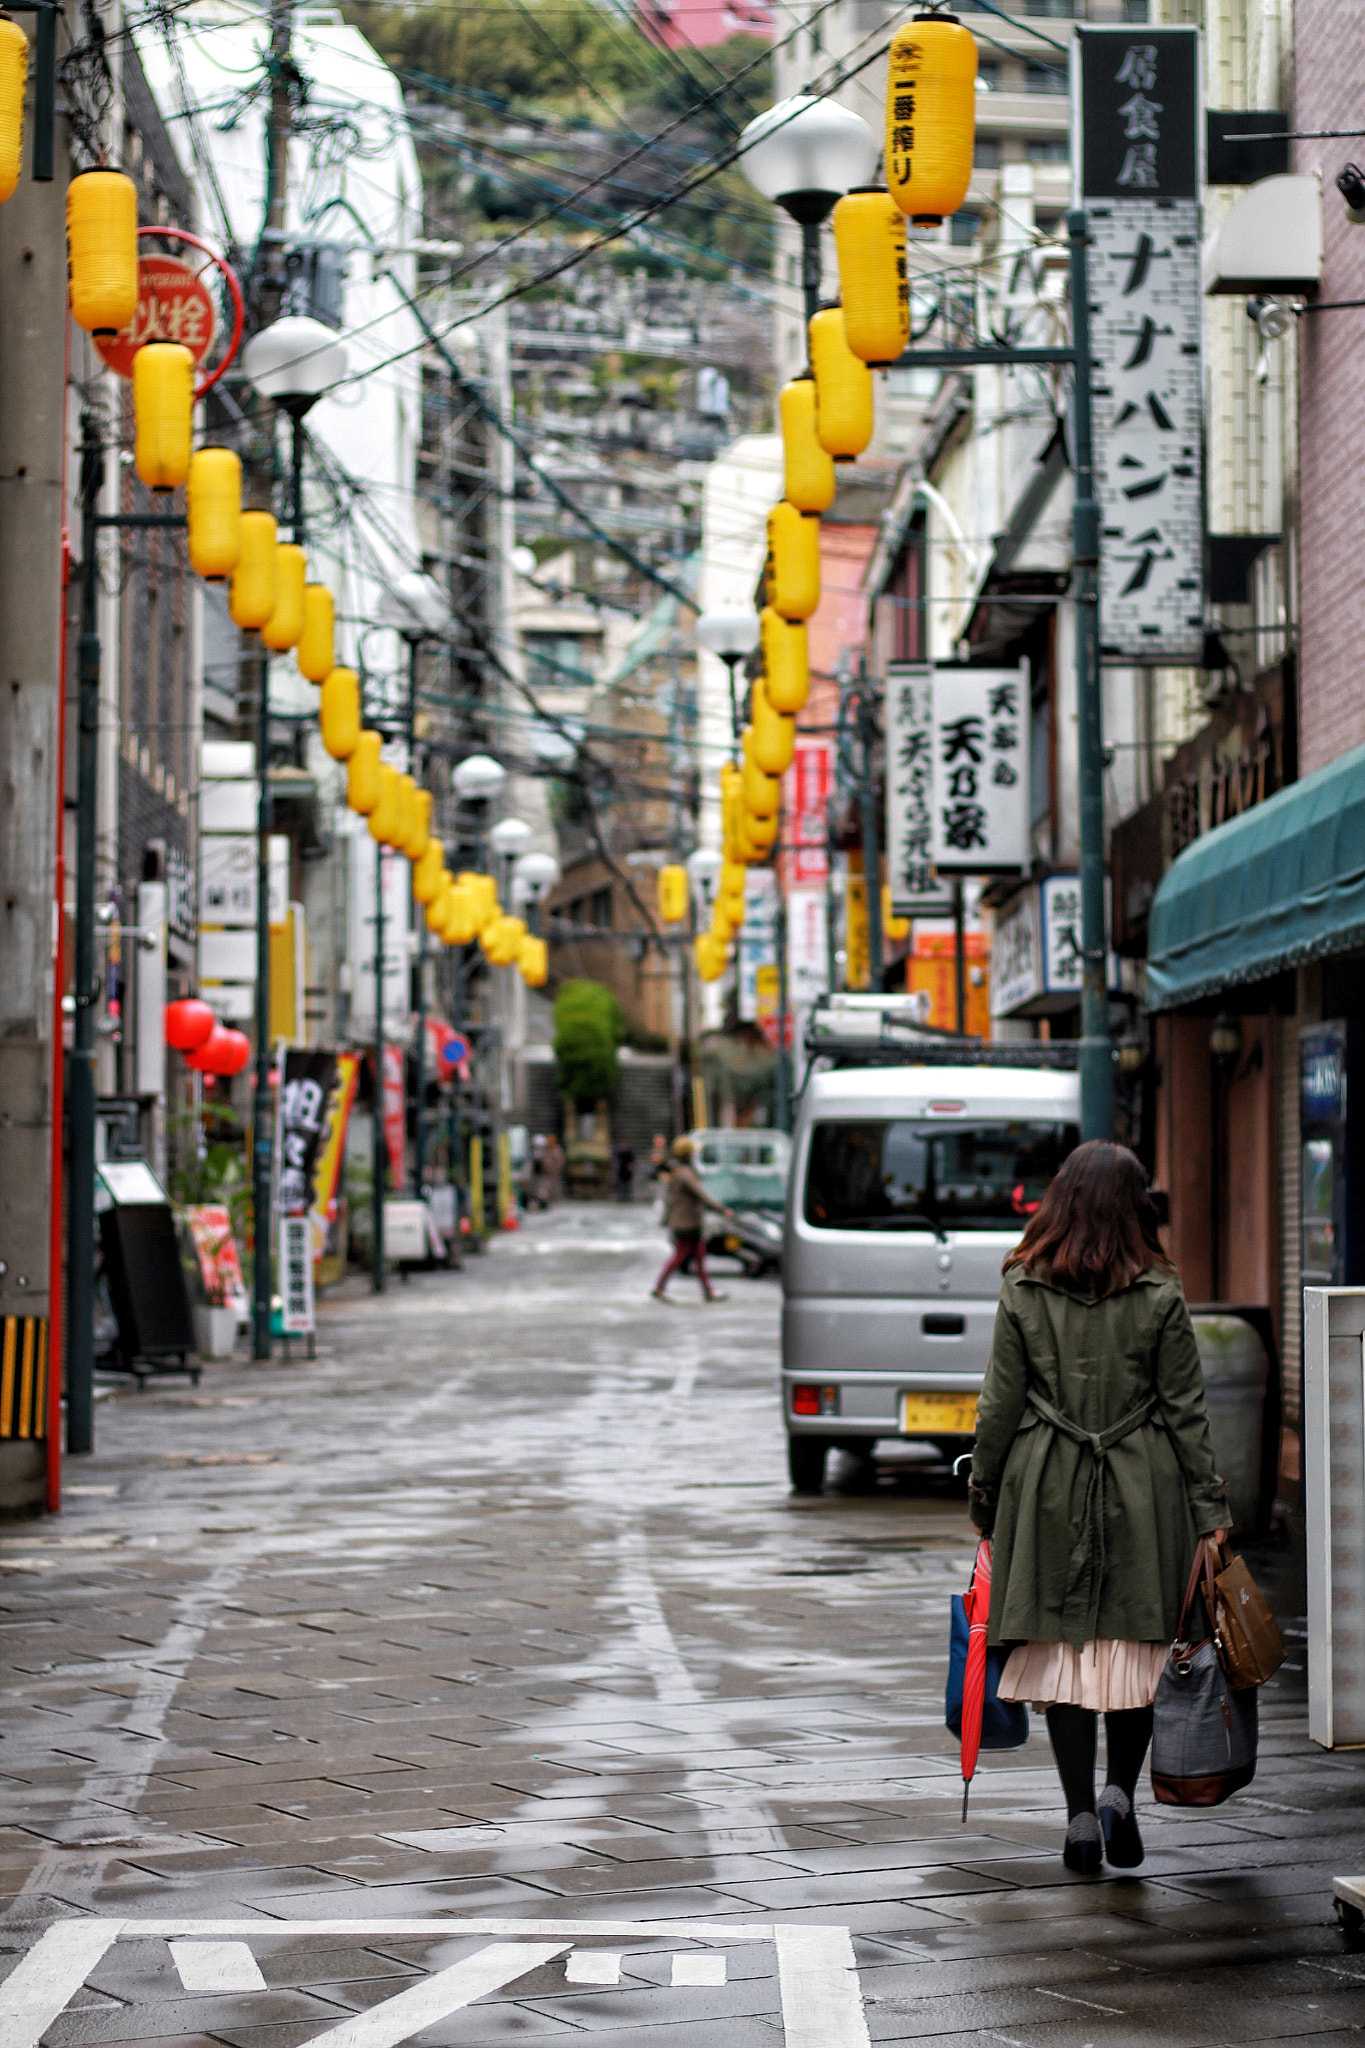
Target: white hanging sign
915 891
1138 180
296 1276
980 770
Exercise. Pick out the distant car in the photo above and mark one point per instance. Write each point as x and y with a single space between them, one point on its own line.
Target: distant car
748 1171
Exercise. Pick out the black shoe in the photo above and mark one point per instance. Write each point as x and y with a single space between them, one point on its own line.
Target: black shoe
1122 1842
1084 1848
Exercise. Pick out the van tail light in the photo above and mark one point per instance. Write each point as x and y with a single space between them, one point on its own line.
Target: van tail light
815 1400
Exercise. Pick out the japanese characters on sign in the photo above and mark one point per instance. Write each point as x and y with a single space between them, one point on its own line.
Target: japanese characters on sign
296 1276
173 304
757 940
910 793
1139 183
301 1119
805 800
980 770
1036 950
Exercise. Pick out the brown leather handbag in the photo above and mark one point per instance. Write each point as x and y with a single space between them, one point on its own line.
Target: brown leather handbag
1248 1641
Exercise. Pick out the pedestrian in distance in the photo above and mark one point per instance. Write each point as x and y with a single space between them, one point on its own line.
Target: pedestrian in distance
1093 1475
625 1173
552 1164
685 1204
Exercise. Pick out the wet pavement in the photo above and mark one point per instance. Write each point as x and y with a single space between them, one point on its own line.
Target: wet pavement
482 1681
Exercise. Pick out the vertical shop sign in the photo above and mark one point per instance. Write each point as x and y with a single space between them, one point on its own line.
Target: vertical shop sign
332 1151
981 778
806 803
757 940
1138 179
910 794
296 1276
395 1110
807 946
300 1120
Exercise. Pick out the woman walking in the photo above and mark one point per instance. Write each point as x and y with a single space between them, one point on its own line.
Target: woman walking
1093 1474
685 1203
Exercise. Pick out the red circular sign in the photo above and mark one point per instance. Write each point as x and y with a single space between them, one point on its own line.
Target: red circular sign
173 304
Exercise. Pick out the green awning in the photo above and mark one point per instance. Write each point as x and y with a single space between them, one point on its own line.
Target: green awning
1285 882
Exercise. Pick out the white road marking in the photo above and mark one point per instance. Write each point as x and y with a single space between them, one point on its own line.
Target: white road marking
48 1978
822 2005
592 1966
217 1966
822 2001
695 1969
439 1995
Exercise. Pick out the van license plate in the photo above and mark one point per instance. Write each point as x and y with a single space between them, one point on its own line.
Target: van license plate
938 1414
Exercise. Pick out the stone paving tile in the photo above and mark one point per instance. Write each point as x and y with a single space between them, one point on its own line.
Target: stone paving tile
538 1577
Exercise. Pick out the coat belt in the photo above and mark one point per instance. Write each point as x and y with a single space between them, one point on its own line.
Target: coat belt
1087 1553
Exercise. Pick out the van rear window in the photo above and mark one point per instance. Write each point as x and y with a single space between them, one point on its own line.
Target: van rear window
902 1175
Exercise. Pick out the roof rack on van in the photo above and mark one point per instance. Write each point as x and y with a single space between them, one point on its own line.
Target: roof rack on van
890 1030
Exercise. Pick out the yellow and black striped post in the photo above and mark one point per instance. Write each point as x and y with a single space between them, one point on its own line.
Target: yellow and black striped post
23 1378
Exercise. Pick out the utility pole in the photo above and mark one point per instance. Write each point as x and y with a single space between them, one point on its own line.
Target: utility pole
1096 1061
872 858
267 297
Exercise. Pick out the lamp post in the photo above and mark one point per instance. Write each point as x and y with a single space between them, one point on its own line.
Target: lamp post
416 609
730 632
804 154
291 363
532 877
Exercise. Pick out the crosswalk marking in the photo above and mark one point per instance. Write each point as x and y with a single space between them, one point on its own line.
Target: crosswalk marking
437 1996
217 1966
592 1966
695 1969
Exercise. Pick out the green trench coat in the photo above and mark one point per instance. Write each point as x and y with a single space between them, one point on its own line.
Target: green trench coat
1092 1536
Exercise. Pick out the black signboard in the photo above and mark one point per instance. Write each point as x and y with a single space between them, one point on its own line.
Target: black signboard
1139 113
308 1078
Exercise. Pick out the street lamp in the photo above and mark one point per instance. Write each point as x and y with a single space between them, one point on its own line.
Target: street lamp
478 775
804 154
415 607
532 877
509 836
290 363
730 632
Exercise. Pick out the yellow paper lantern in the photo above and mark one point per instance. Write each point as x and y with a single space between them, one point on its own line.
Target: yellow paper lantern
730 890
874 290
786 661
420 811
710 957
386 819
808 469
774 732
502 941
213 505
673 894
317 642
843 388
251 596
533 959
793 570
930 117
101 250
163 412
762 793
362 773
762 833
13 81
339 717
460 925
427 872
282 629
893 927
438 908
483 896
406 838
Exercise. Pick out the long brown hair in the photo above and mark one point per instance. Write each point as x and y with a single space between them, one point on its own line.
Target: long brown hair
1096 1227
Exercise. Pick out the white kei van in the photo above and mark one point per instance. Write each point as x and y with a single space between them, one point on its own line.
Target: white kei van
909 1185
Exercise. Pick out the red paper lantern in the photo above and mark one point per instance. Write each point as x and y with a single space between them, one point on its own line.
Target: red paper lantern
223 1052
189 1024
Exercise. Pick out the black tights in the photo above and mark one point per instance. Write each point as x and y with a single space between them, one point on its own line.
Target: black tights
1071 1731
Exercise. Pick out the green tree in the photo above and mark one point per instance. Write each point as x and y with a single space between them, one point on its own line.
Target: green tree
588 1029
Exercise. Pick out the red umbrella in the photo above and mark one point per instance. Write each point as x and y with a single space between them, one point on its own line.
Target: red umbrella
977 1602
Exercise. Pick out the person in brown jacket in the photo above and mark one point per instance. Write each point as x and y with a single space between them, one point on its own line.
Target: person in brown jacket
684 1204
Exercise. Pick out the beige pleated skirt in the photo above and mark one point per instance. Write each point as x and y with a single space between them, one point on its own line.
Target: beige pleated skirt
1106 1675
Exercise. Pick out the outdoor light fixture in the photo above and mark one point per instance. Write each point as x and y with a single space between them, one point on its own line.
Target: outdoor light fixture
804 154
930 117
213 506
703 866
793 567
553 747
1225 1038
101 242
293 361
510 835
533 874
478 775
730 632
874 289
